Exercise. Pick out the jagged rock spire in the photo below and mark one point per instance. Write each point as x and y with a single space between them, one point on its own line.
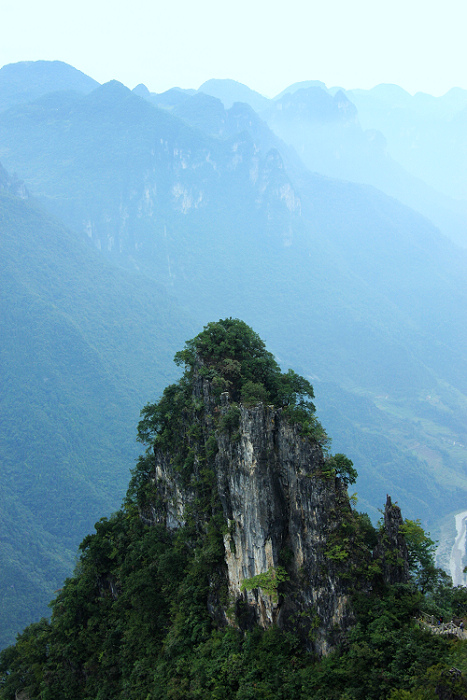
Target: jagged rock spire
392 548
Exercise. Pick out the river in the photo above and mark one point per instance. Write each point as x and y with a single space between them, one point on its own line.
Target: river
458 550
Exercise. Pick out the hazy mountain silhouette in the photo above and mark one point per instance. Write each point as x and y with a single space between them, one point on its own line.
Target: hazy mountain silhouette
28 80
346 272
424 133
325 131
230 91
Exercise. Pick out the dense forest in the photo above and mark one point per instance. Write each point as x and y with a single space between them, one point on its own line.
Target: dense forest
149 611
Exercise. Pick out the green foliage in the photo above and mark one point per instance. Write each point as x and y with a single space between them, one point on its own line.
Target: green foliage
71 386
421 550
337 552
235 358
351 544
342 467
88 158
231 419
268 581
134 622
162 419
444 599
368 532
142 617
253 393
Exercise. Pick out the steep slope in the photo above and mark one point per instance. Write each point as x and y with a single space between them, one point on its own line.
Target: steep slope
266 473
425 134
325 131
78 339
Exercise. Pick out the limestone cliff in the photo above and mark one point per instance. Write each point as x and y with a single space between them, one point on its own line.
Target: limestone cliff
293 550
279 510
392 548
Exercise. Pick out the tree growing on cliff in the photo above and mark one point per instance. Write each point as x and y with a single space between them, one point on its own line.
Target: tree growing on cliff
235 359
341 466
234 356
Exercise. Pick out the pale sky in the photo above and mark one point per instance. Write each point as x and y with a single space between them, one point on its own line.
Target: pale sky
267 45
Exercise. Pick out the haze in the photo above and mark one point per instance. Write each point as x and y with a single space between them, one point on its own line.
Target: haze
266 45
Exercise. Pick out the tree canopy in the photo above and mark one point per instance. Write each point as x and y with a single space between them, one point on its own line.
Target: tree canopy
231 351
235 359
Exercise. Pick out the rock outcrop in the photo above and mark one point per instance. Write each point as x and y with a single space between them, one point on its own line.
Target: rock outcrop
225 458
280 510
392 548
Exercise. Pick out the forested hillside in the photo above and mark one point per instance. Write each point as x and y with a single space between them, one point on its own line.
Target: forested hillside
372 294
78 338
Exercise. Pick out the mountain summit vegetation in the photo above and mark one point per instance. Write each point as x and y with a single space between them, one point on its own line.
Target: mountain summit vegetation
158 608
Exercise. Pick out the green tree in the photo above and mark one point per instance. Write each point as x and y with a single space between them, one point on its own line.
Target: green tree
235 359
341 466
421 550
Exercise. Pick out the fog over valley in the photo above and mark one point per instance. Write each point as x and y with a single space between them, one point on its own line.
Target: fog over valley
332 221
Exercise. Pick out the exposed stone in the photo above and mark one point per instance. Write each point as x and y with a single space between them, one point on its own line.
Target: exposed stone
392 548
280 507
280 510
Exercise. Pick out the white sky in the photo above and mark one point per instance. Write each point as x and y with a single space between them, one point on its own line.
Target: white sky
267 45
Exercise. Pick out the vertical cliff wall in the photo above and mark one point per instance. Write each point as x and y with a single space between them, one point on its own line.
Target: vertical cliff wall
238 450
280 509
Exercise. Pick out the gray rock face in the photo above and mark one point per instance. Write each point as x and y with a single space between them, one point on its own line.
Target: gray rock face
280 509
280 512
392 548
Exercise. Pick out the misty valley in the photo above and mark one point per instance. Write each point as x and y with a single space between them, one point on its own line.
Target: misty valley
334 224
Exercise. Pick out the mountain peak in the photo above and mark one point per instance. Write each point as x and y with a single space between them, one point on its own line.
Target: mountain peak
141 90
230 91
26 81
236 417
303 85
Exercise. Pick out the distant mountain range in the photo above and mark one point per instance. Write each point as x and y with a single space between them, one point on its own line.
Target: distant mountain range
412 148
23 82
134 219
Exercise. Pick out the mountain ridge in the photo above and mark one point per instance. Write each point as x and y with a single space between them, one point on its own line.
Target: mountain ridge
71 390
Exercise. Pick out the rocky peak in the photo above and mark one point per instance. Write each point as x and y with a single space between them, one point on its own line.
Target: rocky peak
246 457
392 548
279 509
